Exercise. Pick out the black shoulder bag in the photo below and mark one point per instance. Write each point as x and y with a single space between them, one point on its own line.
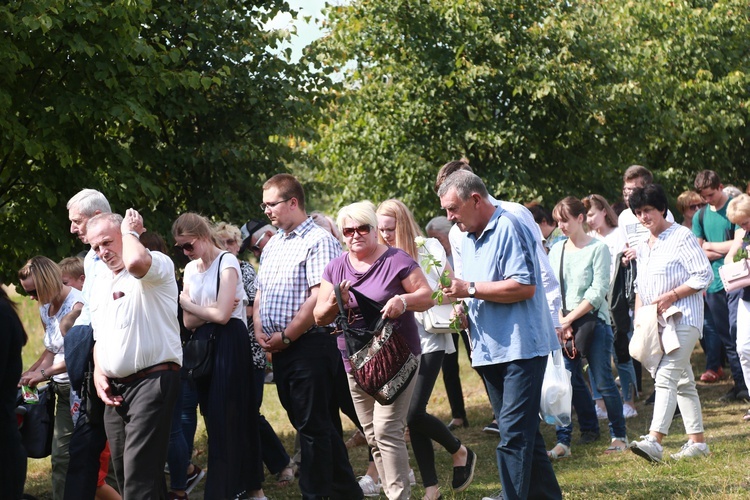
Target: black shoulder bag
583 328
198 350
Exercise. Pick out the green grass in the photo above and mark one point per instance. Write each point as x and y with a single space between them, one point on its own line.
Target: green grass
588 474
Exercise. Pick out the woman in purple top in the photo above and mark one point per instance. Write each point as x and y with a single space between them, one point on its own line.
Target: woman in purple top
388 276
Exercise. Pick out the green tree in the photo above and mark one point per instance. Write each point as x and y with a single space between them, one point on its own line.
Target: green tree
164 106
545 99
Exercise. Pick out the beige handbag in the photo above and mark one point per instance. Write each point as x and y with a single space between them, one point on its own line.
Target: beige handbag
735 275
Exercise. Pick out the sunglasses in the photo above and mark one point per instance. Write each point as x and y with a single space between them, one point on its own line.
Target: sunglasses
362 230
186 247
256 247
697 206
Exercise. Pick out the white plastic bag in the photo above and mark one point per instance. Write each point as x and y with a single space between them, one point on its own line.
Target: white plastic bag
557 393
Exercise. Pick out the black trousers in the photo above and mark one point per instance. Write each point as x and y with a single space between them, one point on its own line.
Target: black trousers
452 379
305 375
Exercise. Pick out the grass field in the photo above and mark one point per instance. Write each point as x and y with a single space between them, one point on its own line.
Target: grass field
588 474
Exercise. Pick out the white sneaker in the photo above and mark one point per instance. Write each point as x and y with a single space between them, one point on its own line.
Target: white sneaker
412 479
369 487
648 448
601 414
498 496
628 411
691 450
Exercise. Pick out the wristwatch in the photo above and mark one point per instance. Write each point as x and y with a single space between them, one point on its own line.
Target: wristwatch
285 339
472 289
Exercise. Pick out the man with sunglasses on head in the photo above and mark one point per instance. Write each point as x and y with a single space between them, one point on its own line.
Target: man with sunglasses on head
255 236
305 356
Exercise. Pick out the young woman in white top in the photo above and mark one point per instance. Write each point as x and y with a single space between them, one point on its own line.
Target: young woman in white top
227 399
41 278
602 222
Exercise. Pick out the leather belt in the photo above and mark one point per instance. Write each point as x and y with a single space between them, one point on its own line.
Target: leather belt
161 367
322 330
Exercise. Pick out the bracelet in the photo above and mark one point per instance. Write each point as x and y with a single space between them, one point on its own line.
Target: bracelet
675 294
134 233
402 300
46 377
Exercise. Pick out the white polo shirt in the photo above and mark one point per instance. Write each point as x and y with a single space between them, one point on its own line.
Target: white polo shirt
135 320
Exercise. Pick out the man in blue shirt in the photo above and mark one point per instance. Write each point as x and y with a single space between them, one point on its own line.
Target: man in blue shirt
511 330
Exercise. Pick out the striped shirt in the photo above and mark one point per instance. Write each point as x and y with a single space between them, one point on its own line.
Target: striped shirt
675 259
290 265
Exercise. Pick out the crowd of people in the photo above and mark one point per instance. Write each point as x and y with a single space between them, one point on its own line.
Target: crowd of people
520 282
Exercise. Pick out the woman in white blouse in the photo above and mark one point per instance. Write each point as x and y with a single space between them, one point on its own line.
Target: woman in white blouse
213 299
672 270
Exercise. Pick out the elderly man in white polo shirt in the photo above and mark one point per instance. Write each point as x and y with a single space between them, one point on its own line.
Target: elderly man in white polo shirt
137 351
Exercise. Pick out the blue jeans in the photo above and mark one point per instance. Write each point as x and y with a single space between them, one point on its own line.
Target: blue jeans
710 342
723 307
515 389
600 367
178 457
582 403
627 378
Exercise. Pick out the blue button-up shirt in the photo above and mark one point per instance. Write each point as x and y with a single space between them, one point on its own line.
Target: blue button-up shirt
501 333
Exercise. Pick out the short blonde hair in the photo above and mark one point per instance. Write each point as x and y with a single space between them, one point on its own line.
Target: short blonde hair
225 230
72 266
739 209
686 199
46 276
361 212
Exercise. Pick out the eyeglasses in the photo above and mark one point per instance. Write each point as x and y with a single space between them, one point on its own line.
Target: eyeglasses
697 206
230 242
362 230
264 206
256 247
186 247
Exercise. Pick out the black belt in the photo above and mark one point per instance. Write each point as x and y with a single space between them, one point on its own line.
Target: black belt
161 367
320 330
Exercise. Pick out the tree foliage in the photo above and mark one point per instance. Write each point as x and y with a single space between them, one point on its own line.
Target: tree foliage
164 106
544 98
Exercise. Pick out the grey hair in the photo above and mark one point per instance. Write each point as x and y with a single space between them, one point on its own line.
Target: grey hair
88 201
441 224
267 227
114 220
465 183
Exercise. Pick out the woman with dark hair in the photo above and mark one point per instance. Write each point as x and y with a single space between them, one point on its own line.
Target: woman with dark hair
672 271
41 278
585 273
13 456
227 398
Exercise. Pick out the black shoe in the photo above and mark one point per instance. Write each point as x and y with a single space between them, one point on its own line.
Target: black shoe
491 428
730 396
651 398
452 426
464 474
742 396
588 437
